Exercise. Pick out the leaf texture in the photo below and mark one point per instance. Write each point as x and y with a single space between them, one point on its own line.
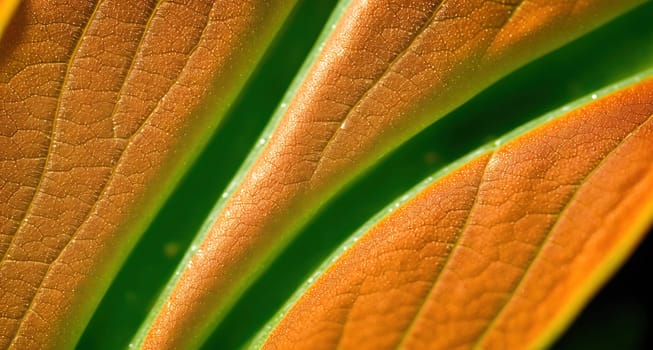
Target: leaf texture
103 105
386 70
499 253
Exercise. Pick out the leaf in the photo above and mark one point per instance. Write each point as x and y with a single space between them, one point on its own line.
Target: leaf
600 59
500 252
7 8
383 72
104 105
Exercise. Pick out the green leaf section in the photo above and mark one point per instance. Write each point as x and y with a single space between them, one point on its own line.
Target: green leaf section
260 338
562 76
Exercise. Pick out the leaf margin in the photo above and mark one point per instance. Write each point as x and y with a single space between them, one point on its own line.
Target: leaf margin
142 331
618 257
253 274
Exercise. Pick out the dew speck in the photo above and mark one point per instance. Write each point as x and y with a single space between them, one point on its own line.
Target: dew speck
594 96
261 141
431 158
343 126
225 195
131 297
171 249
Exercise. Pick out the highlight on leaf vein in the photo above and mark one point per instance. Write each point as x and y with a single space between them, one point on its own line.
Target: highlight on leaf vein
302 174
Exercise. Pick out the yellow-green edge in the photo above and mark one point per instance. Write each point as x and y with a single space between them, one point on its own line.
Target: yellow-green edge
597 279
233 185
7 9
177 167
141 333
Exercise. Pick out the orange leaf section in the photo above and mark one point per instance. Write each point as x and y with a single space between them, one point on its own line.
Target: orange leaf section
95 95
495 253
389 69
7 8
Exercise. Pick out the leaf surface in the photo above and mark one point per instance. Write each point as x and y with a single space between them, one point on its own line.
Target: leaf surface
104 104
383 72
7 8
500 252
